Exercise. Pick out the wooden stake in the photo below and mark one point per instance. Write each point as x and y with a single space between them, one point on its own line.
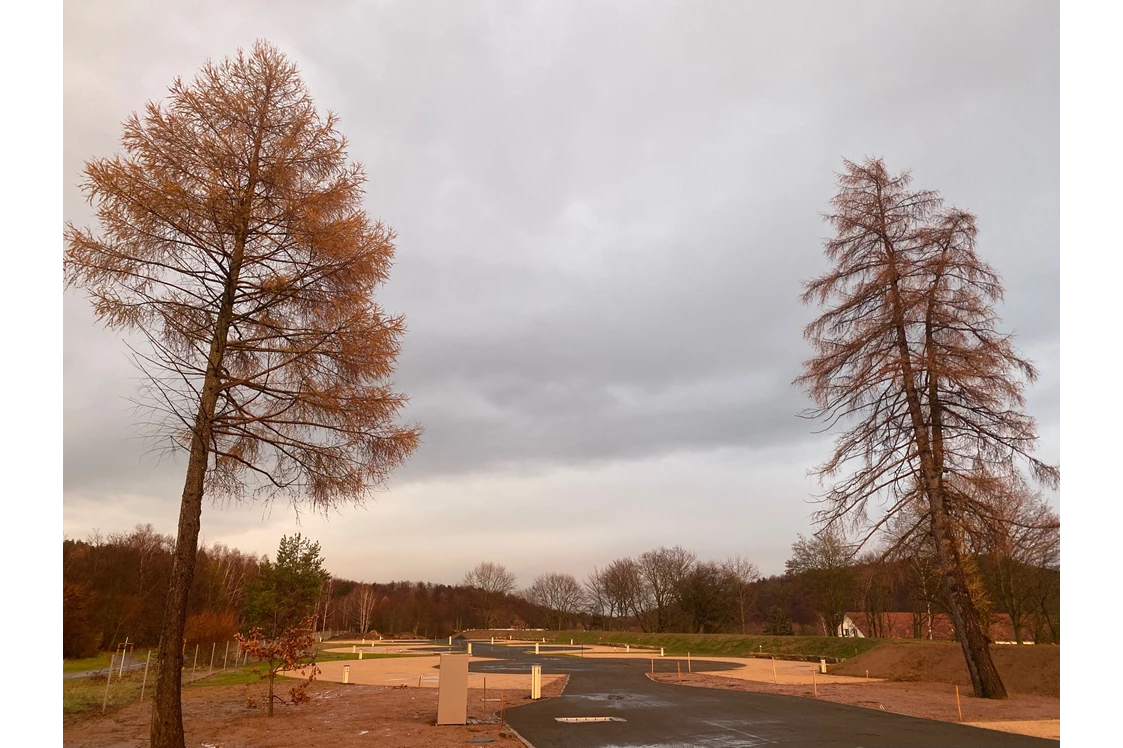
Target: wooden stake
774 671
867 676
108 678
195 662
679 663
688 669
225 654
213 645
653 666
957 704
419 681
485 692
815 684
144 682
502 708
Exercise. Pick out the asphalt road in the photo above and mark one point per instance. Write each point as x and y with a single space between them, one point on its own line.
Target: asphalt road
660 714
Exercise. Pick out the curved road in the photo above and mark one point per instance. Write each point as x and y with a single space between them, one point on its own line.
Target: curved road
660 714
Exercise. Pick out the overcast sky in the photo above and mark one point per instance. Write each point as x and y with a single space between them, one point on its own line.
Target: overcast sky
604 213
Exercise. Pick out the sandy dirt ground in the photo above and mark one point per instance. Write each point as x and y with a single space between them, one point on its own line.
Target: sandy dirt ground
339 716
419 671
384 706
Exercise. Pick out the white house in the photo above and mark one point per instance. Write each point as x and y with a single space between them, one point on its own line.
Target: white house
849 629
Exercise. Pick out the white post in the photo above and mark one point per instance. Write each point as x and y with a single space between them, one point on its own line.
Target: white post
360 655
354 649
124 649
535 647
535 681
346 673
213 645
571 642
627 647
493 641
660 651
469 649
450 641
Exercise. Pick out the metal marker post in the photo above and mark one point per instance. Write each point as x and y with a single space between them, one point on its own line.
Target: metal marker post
213 645
195 662
346 674
225 654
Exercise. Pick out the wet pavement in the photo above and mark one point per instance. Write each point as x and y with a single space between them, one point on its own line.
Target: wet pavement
659 714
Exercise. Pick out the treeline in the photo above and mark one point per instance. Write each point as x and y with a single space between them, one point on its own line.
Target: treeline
115 587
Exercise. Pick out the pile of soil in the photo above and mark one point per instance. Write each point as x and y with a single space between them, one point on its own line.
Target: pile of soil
1024 669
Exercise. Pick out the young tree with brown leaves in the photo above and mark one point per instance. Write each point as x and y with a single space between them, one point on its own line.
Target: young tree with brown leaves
291 649
908 356
234 240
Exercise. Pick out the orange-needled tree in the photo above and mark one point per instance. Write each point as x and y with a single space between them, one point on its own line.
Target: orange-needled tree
909 359
234 241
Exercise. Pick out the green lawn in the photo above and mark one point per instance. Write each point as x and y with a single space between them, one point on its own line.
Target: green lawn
332 656
82 696
86 663
726 645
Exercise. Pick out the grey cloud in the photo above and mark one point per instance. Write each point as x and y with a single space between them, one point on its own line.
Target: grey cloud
604 211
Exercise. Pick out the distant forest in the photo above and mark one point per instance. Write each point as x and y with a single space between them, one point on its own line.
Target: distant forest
115 586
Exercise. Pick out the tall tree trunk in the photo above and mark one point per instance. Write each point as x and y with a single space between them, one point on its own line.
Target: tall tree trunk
964 615
167 714
167 711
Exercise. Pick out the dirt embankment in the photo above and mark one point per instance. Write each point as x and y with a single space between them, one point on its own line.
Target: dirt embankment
1024 669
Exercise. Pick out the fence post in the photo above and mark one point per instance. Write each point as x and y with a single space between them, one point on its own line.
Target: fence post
195 662
213 645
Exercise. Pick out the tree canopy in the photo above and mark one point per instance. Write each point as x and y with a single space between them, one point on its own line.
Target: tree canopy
927 392
234 241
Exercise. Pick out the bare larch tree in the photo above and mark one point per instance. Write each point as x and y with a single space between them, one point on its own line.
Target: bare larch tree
908 357
233 239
